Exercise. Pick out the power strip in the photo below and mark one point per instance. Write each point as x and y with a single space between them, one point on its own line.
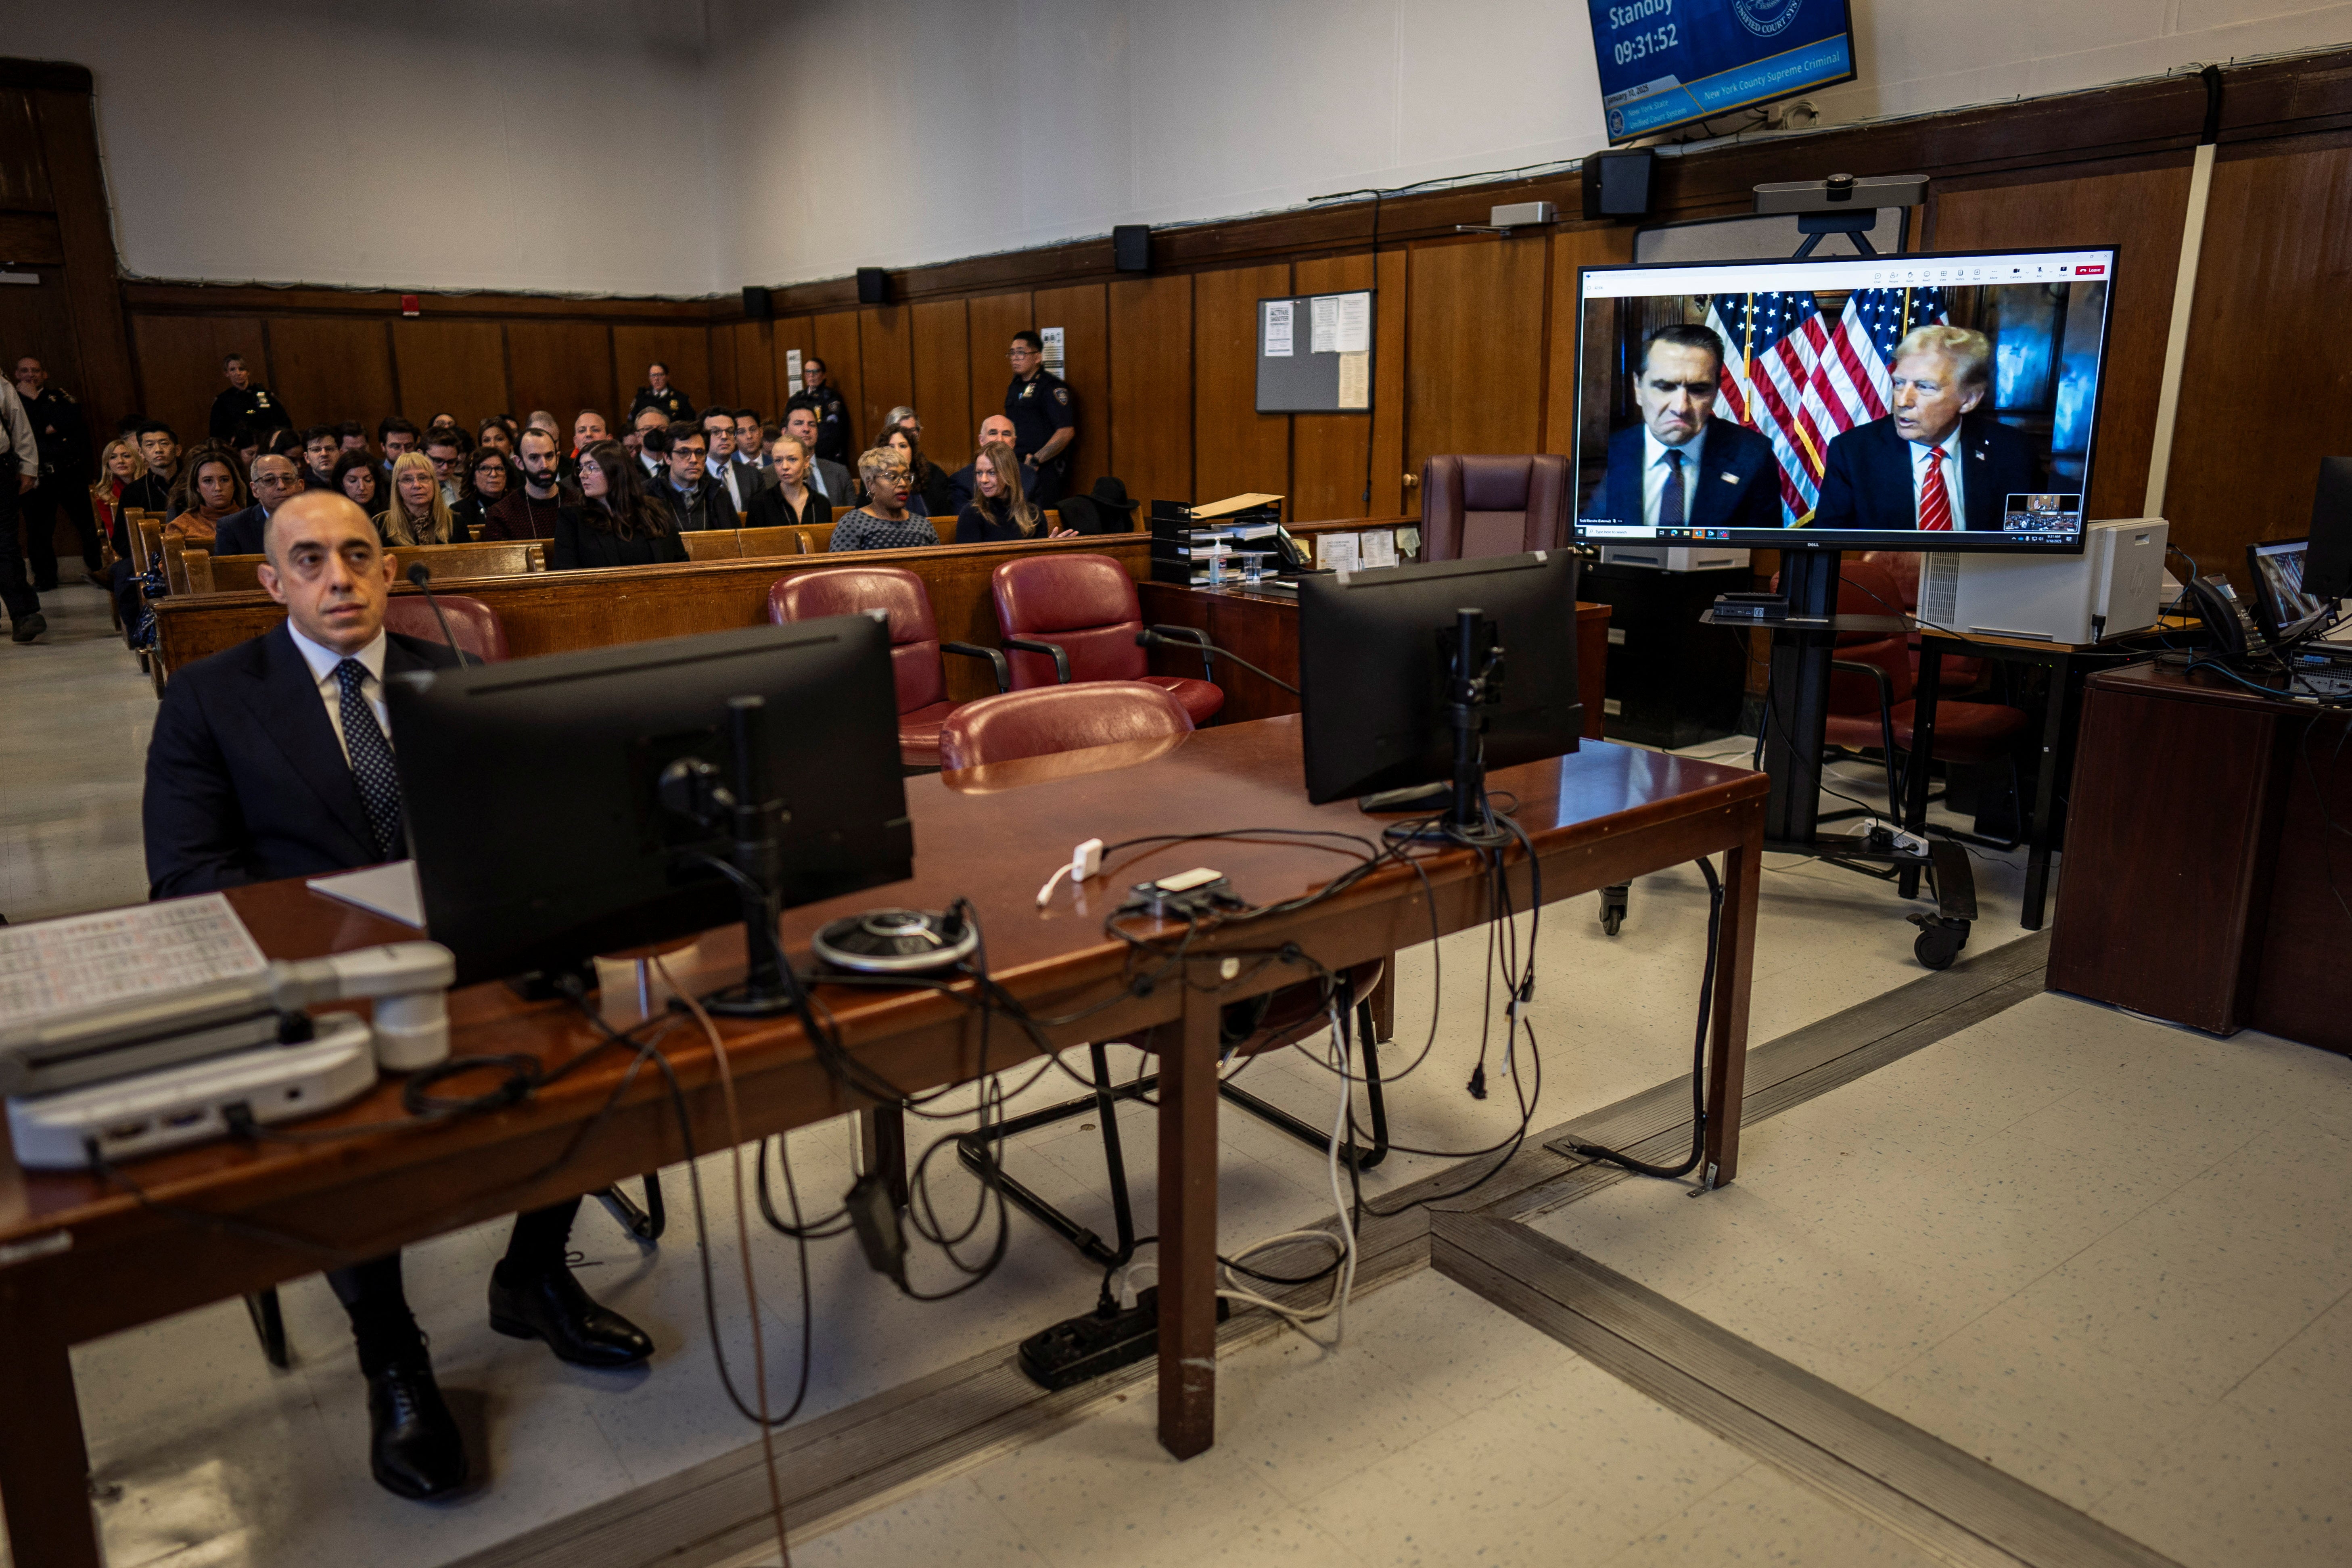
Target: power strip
146 1115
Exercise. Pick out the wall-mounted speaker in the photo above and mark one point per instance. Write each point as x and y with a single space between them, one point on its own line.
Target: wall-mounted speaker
1617 185
759 304
873 286
1130 247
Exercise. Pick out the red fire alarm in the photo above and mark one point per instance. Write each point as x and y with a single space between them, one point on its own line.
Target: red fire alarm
408 305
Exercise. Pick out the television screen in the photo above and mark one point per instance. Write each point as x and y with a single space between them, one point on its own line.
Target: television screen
1665 63
1918 402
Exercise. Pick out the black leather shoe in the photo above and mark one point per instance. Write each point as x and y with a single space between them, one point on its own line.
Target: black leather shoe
414 1449
548 1304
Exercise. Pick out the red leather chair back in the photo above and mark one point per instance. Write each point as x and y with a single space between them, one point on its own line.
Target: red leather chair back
1858 694
1903 565
1049 719
1085 603
1870 587
474 625
1474 506
915 660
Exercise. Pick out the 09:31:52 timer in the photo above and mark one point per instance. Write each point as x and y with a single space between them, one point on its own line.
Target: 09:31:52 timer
1641 46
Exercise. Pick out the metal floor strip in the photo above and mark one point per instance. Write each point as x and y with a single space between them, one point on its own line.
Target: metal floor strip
1948 1502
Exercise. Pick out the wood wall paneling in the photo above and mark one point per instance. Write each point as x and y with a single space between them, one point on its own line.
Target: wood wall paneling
37 320
836 344
1080 311
179 366
31 239
1572 248
1150 403
2270 287
24 171
2139 209
995 319
1234 447
723 368
563 367
1328 467
942 361
327 370
755 369
886 364
1474 357
685 349
451 367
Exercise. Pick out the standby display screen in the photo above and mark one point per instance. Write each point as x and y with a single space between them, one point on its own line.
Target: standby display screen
1665 63
1915 402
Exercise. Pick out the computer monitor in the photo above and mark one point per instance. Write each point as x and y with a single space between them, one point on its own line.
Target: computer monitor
2327 567
535 803
1812 389
1379 652
2282 608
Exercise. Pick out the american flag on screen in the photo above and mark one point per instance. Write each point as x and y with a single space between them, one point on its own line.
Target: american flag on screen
1774 344
1850 384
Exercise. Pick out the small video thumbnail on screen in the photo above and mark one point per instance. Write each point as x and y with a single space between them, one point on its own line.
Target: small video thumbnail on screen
1961 407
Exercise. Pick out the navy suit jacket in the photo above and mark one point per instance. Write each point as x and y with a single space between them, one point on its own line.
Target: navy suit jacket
245 781
240 531
1737 484
1866 476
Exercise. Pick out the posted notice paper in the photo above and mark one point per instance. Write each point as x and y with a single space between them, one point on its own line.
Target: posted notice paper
792 370
1356 381
1052 352
1353 331
1278 328
1323 324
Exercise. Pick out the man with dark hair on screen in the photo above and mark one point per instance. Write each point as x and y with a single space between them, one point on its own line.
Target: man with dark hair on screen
1938 461
1681 467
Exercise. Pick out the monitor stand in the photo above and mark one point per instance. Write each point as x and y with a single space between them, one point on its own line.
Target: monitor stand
753 820
1462 797
1802 658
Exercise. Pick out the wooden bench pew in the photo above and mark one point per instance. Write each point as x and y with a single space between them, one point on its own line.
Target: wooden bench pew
208 573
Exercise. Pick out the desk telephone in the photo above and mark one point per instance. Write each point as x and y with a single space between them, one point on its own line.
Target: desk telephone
2226 616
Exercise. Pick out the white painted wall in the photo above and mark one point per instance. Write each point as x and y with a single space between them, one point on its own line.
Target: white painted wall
689 146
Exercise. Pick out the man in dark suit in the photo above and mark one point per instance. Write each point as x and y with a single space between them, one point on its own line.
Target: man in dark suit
1938 462
275 483
270 759
1681 467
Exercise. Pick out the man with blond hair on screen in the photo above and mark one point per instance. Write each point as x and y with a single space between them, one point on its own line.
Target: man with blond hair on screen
1939 462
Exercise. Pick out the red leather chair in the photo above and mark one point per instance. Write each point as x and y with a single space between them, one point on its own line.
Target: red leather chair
1070 619
1960 672
1039 723
1871 704
1474 506
475 626
1051 719
915 646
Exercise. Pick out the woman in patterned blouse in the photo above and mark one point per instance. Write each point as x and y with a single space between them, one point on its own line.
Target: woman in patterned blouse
883 522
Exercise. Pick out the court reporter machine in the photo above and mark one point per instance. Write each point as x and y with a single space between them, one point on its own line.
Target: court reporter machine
143 1029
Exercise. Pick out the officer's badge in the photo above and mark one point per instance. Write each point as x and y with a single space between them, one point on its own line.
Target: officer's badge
1061 395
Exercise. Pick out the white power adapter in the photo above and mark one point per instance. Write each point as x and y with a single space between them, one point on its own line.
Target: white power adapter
1086 860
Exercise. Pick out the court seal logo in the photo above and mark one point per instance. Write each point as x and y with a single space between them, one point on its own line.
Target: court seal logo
1767 18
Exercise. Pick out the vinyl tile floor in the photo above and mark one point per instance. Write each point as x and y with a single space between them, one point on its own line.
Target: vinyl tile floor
1443 1431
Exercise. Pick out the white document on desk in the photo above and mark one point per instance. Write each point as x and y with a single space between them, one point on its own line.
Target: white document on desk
390 891
1335 552
60 966
1376 547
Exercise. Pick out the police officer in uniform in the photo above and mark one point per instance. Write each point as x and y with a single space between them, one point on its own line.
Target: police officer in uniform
1044 426
657 393
63 436
823 399
255 407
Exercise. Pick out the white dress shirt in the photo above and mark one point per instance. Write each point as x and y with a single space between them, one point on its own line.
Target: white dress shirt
322 662
1655 470
722 469
1948 449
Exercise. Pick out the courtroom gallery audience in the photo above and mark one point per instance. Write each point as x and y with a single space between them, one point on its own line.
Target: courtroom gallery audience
121 466
752 439
540 419
351 436
883 522
645 419
275 483
357 477
830 477
320 448
1000 512
151 491
995 427
394 437
210 490
495 432
615 523
531 506
791 501
587 429
488 477
832 413
927 494
695 499
415 512
445 449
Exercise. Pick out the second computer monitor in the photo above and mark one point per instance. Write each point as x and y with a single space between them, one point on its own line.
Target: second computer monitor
1374 665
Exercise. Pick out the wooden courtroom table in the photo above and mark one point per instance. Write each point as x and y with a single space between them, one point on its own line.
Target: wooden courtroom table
2207 871
1262 626
79 1260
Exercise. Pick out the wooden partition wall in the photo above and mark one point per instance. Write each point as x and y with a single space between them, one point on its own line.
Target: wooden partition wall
1474 345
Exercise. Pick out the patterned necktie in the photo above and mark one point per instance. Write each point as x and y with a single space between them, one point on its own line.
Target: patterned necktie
371 756
1934 500
1670 503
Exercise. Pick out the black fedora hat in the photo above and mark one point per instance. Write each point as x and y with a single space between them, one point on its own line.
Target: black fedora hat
1110 492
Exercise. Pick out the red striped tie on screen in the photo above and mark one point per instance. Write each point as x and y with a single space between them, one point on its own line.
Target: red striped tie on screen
1934 500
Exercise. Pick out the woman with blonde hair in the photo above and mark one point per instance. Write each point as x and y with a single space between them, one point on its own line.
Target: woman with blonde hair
415 513
999 509
120 466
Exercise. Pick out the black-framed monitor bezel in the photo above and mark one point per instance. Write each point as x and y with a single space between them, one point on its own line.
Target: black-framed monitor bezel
1958 539
1853 73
